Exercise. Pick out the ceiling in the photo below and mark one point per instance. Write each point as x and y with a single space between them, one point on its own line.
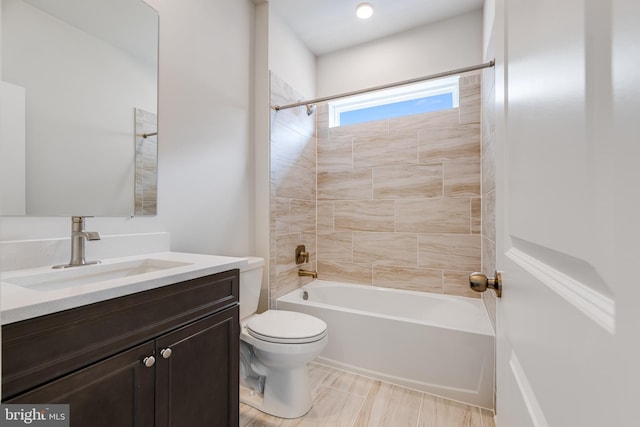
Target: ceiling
329 25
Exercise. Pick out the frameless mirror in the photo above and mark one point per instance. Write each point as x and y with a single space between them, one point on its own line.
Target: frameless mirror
78 103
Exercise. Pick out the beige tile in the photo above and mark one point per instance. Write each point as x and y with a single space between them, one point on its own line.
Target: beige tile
397 249
251 417
407 182
280 208
487 418
302 215
325 216
322 131
411 279
294 118
317 374
289 146
457 283
488 255
390 405
433 216
345 185
335 155
450 251
381 150
285 251
425 120
471 78
488 160
365 215
342 398
376 127
489 215
288 280
470 106
476 216
349 382
294 182
461 179
347 272
438 412
445 143
331 407
335 246
489 266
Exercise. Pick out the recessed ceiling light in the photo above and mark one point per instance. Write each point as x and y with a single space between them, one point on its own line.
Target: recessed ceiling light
364 11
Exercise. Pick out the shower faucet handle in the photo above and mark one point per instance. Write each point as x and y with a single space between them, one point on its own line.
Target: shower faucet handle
302 255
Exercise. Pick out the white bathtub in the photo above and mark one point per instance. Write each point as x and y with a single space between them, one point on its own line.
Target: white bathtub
438 344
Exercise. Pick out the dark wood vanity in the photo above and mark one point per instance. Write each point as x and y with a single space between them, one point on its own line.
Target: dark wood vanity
162 357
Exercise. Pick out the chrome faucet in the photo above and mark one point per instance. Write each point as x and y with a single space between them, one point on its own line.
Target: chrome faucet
313 274
78 237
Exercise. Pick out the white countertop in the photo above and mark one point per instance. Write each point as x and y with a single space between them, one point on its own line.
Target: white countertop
21 302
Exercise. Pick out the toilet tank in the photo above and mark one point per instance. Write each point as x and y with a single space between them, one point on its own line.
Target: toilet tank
250 284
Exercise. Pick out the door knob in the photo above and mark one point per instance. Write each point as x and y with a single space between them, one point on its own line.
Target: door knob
166 352
480 282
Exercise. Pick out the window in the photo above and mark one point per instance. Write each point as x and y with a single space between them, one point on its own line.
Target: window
406 100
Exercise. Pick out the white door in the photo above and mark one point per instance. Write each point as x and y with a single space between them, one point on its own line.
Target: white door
568 212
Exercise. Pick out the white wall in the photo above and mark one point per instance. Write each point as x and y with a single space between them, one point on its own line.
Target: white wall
12 149
205 166
434 48
205 186
289 58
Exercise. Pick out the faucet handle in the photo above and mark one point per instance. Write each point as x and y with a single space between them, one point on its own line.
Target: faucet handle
302 255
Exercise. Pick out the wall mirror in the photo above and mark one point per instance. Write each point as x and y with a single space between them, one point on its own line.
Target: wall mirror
78 92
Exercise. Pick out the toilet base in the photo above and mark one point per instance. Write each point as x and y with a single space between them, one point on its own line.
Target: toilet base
287 394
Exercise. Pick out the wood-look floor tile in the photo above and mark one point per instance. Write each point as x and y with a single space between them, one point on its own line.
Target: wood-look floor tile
390 405
438 412
251 417
487 418
346 399
347 381
331 407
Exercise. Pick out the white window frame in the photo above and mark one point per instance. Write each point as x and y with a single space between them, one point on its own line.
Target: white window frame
397 94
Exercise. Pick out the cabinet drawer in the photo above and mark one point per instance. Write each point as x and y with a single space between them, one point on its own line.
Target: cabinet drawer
38 350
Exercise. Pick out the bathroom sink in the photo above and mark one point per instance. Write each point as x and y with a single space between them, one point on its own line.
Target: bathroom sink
54 280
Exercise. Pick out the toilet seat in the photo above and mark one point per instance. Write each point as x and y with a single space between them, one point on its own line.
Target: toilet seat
286 327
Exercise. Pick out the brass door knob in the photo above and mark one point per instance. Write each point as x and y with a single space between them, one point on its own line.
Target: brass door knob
479 282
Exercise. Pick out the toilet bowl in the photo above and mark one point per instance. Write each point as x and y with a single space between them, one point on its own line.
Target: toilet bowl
275 348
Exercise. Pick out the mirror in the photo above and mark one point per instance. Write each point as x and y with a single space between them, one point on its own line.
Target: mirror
78 92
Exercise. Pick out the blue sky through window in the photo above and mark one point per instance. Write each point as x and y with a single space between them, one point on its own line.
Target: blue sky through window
397 109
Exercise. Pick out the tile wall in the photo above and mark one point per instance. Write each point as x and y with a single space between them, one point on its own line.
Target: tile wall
399 200
394 203
293 190
146 169
488 187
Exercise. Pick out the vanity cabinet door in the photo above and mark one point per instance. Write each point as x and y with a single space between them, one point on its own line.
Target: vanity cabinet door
197 373
117 391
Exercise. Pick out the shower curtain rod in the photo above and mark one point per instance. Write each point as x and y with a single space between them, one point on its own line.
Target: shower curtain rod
387 86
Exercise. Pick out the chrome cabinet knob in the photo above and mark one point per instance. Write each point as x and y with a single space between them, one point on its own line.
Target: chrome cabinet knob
480 282
149 361
166 352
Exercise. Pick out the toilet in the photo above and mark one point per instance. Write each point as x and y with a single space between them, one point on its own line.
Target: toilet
275 348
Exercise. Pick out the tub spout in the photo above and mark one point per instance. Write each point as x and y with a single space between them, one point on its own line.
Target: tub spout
313 274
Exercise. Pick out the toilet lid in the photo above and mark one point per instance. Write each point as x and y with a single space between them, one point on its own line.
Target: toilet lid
288 327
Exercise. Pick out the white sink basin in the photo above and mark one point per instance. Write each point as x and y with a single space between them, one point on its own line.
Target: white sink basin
72 277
